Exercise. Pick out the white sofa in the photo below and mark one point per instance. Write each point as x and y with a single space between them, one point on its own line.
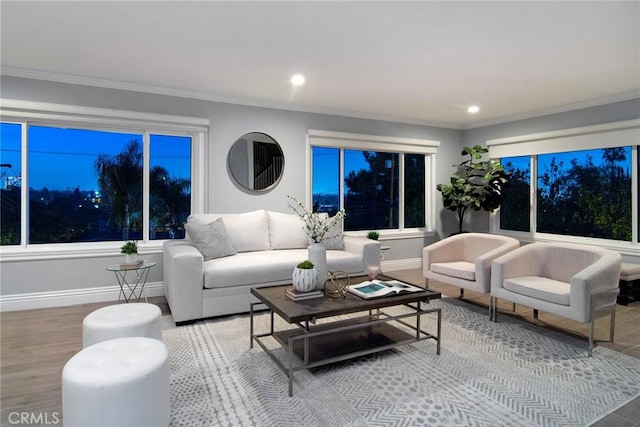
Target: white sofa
268 246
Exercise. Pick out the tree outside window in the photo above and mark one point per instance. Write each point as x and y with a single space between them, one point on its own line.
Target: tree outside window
87 185
373 182
581 193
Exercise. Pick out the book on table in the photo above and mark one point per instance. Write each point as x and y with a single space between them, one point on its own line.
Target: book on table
296 295
382 288
131 265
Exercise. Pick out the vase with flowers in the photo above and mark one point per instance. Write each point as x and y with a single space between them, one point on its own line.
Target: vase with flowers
319 227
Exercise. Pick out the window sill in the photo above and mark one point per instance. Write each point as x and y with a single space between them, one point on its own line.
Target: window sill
395 234
624 248
72 251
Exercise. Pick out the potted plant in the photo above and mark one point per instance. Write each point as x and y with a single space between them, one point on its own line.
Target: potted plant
477 185
130 251
373 235
304 276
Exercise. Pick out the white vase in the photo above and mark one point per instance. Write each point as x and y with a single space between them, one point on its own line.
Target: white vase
130 258
304 279
318 256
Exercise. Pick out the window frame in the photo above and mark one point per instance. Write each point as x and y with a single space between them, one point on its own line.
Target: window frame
362 142
609 135
27 113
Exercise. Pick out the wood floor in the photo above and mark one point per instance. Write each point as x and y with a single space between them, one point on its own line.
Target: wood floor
36 344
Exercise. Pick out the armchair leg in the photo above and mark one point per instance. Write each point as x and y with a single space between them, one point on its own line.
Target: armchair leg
493 309
603 303
591 326
535 313
426 283
514 307
612 324
461 293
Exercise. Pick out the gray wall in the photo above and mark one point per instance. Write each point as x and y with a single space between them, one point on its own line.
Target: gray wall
228 122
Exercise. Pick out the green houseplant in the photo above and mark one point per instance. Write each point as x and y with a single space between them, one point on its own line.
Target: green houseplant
129 248
304 276
477 185
130 251
373 235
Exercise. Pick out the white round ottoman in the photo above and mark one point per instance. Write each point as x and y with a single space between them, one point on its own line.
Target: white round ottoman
120 382
122 320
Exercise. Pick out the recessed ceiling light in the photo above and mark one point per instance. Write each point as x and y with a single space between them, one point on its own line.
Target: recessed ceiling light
297 80
473 109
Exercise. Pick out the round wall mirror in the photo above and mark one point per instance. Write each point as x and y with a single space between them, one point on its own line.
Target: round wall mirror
256 162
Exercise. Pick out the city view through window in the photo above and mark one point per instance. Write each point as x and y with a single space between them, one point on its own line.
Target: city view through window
372 188
86 185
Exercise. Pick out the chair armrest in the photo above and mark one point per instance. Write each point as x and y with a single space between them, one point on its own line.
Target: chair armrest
367 249
484 261
446 250
183 279
599 277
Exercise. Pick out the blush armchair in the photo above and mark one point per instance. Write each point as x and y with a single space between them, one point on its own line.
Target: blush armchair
464 260
577 282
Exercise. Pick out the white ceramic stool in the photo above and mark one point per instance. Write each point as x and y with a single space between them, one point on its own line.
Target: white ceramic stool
122 320
120 382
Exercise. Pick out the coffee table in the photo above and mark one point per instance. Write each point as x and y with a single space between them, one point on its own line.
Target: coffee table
370 330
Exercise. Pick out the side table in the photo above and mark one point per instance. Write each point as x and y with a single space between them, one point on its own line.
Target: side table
129 288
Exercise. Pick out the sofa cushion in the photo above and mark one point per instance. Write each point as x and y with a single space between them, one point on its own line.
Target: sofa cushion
460 269
540 288
210 239
248 231
286 231
255 268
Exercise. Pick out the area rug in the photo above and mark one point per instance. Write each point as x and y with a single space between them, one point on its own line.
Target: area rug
508 373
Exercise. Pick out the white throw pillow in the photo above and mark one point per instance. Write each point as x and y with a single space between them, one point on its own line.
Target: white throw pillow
248 231
210 239
286 231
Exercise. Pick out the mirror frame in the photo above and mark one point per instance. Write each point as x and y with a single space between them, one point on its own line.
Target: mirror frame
251 138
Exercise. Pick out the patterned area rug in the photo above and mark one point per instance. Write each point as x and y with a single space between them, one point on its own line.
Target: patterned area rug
488 374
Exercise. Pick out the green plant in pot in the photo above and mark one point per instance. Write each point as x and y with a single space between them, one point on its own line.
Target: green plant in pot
130 251
304 276
477 185
373 235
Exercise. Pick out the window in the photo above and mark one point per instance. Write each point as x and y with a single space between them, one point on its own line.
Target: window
170 186
581 193
379 181
10 173
515 209
87 184
371 190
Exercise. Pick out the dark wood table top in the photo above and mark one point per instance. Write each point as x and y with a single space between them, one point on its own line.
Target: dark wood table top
316 308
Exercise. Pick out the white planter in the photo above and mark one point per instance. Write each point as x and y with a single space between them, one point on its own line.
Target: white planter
318 256
130 258
304 279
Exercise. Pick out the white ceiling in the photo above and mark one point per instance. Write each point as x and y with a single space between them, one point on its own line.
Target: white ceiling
415 62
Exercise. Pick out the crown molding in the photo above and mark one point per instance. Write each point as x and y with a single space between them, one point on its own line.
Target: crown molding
207 96
554 110
214 97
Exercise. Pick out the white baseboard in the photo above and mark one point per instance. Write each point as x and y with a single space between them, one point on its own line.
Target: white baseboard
69 297
401 264
110 293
